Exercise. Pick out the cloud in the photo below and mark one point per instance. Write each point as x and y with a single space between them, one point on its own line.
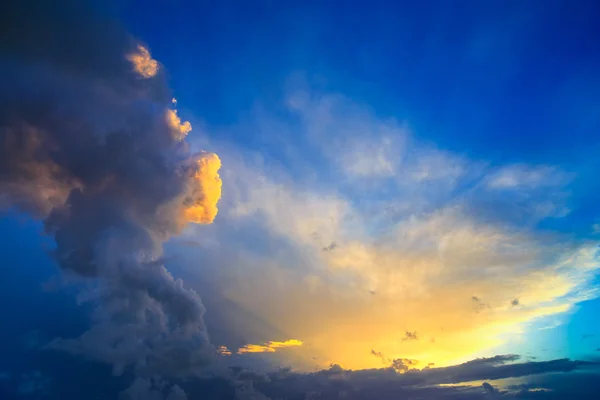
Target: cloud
520 175
381 356
403 365
179 129
223 351
268 347
84 145
143 63
424 270
152 389
330 247
408 336
490 390
468 380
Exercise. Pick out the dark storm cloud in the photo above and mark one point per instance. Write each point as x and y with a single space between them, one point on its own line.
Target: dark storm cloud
410 383
85 144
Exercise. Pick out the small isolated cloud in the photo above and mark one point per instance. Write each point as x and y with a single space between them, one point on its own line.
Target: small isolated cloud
403 365
479 305
596 229
143 63
368 160
495 360
331 246
410 336
268 347
202 202
514 303
223 351
380 355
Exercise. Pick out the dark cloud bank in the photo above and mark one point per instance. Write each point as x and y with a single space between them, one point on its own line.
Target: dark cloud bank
556 379
85 148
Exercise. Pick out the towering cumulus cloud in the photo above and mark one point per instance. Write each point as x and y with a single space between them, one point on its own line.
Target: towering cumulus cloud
90 144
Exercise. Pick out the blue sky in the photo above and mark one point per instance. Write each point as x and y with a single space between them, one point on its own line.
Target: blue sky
406 185
498 81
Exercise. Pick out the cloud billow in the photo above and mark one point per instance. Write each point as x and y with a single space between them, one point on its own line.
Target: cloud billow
89 145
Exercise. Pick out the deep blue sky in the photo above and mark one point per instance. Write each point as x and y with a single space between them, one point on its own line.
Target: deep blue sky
500 79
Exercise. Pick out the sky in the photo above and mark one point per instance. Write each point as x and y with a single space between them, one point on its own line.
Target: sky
299 200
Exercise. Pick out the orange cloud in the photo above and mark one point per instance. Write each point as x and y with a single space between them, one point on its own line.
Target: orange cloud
268 347
207 179
143 63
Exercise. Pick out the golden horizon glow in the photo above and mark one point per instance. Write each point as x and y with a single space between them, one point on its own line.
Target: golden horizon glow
268 347
446 276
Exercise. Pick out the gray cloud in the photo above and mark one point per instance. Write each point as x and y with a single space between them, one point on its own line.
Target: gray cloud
490 390
410 336
387 383
404 364
85 145
330 247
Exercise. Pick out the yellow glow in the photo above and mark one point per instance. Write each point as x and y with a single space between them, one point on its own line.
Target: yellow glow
207 177
451 279
268 347
143 63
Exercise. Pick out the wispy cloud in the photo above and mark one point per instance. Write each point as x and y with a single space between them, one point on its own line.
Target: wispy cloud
526 176
421 238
